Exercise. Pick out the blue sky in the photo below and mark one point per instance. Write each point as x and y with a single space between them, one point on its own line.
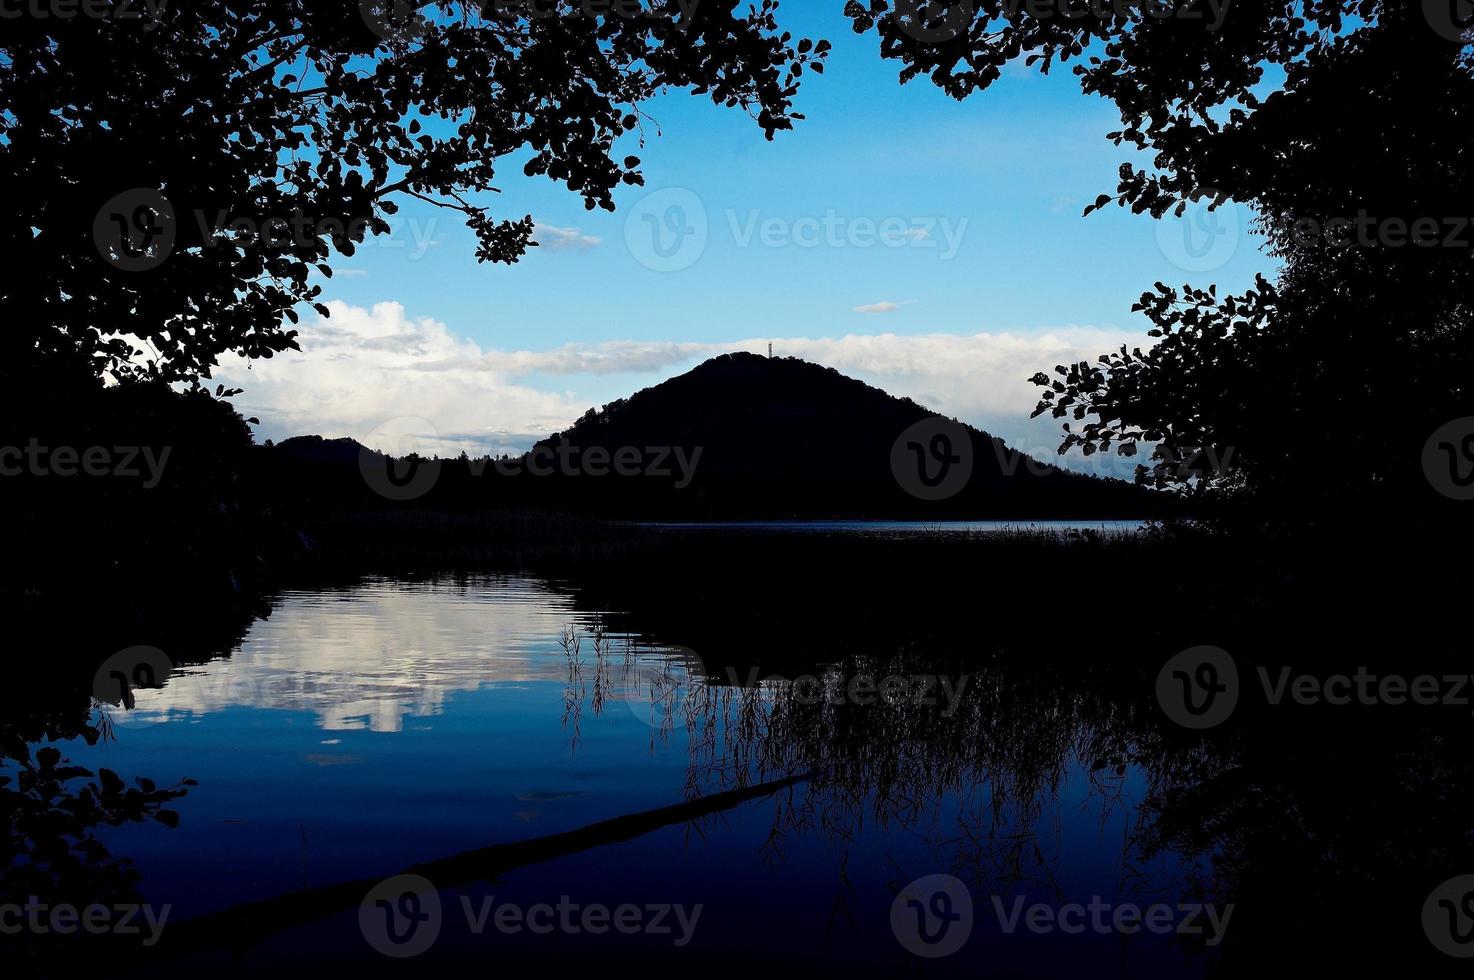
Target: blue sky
984 243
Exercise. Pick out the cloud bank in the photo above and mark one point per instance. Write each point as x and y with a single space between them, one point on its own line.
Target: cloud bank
363 369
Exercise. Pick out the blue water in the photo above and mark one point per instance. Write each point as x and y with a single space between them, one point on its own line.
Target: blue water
905 528
357 732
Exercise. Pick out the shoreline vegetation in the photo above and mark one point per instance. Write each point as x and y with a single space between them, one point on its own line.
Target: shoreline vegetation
1163 579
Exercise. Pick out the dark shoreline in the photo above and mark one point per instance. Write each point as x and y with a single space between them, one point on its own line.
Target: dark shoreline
727 593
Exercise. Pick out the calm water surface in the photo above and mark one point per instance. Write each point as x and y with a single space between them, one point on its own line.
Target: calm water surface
357 732
906 528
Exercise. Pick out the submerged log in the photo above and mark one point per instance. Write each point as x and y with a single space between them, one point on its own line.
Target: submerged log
245 925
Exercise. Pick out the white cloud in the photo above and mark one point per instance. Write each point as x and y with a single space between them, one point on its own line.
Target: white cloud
556 239
612 357
885 306
364 368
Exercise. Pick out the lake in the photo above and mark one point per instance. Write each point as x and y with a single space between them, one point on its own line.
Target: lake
360 731
904 528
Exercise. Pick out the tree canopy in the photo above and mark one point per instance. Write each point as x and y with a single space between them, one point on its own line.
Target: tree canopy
178 172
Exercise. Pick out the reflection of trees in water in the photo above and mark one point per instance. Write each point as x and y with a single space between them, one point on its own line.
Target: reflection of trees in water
49 852
981 780
980 776
50 810
1331 825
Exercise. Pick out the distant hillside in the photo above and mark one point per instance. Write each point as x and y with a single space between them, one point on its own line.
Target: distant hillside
740 436
316 449
781 437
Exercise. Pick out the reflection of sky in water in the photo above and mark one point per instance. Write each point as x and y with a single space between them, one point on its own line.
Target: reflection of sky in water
380 655
358 732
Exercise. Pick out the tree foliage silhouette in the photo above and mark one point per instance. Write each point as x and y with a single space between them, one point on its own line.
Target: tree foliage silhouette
280 133
1343 126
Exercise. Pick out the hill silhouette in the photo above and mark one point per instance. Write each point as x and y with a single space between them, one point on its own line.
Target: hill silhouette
783 437
743 436
316 449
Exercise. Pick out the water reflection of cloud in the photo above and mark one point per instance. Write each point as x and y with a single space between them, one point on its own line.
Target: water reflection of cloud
370 657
